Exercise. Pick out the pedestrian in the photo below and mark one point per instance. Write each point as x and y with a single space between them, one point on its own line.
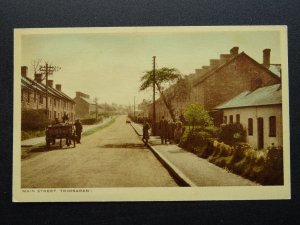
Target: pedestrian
163 127
146 128
172 126
178 131
65 117
78 130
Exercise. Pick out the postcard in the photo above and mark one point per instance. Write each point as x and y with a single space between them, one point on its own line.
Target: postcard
151 114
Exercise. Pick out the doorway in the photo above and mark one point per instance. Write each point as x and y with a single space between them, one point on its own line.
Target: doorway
260 133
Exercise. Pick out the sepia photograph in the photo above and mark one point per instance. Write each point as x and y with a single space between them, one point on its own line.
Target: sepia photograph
151 114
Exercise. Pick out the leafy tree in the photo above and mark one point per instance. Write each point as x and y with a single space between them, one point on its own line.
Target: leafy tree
195 114
170 85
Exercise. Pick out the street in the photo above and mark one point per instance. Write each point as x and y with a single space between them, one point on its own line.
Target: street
112 157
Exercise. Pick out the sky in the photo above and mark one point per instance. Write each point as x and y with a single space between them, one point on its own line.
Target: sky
109 65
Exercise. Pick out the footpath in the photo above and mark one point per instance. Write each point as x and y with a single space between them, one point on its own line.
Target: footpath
39 140
189 169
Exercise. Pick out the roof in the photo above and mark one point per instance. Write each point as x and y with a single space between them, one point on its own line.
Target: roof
269 95
87 100
211 71
276 69
33 85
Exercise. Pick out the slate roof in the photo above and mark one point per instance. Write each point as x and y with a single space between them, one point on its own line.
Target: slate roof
87 100
276 69
269 95
33 85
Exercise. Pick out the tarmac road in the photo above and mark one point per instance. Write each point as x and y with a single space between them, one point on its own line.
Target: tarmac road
112 157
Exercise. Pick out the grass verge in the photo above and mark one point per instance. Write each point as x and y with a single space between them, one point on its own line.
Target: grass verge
27 151
89 132
32 134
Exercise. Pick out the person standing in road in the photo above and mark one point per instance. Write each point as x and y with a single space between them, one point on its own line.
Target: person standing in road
78 131
65 117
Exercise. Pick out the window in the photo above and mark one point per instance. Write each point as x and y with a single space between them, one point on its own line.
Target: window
54 102
34 96
250 126
237 118
28 96
231 119
272 126
54 116
225 120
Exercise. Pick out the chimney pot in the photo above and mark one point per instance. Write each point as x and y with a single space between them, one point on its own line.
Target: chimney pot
266 57
50 83
58 87
24 71
38 77
234 51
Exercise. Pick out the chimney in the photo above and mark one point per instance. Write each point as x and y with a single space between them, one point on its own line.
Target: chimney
198 71
266 57
58 87
214 62
50 83
234 51
24 70
38 77
224 58
205 68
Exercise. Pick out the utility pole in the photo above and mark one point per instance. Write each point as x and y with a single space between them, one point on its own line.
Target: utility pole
154 113
133 107
48 70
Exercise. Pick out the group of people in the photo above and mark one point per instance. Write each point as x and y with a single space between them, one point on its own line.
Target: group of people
170 131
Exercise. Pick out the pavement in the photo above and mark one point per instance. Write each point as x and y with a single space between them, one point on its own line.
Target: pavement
40 140
190 169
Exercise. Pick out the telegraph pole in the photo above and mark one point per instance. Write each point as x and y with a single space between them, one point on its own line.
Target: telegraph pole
48 70
154 113
133 107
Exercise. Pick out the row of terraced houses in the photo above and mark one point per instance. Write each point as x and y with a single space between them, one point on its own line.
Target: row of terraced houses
33 96
236 88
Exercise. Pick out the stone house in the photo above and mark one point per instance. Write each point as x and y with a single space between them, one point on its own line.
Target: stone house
260 113
33 96
84 105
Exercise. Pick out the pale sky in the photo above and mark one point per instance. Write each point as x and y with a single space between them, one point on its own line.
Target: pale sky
109 65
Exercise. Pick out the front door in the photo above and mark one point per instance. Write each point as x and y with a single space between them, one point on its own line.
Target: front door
260 133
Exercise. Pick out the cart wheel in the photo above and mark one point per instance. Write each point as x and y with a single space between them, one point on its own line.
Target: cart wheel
47 143
68 141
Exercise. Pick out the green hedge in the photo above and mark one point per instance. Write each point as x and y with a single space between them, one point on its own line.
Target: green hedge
33 120
232 133
262 166
90 121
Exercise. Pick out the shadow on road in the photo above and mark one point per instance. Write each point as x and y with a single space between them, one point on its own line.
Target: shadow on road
123 145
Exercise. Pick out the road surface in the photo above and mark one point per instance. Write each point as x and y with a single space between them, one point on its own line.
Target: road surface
112 157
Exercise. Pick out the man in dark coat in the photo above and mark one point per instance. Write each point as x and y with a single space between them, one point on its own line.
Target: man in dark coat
163 127
146 128
78 131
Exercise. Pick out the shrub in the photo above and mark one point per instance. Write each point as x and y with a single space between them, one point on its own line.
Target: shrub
197 140
33 120
232 133
196 115
89 121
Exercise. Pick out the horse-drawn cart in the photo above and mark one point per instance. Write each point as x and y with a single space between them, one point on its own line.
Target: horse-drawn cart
60 131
